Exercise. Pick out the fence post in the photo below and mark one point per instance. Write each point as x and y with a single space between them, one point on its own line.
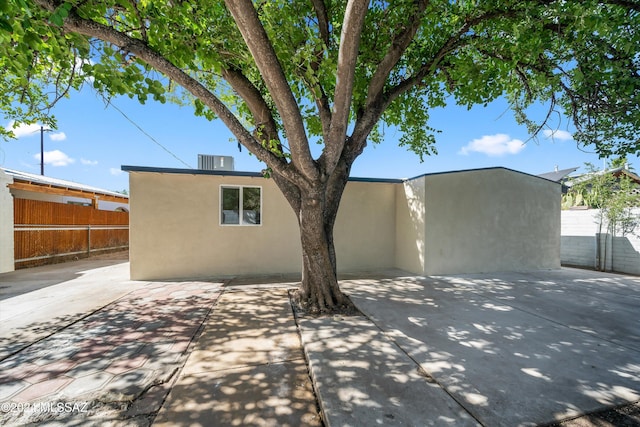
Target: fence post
89 240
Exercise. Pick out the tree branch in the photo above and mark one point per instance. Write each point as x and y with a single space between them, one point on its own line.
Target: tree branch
627 4
345 75
378 99
76 24
323 20
256 39
398 46
266 129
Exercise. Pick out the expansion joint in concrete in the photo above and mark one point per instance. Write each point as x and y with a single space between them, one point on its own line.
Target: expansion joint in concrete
421 371
314 387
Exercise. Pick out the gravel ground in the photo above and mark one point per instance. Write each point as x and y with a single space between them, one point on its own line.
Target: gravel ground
623 416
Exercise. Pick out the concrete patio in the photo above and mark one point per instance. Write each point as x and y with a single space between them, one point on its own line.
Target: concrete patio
509 349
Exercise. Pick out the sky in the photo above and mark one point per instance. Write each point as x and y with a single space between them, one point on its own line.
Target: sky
92 141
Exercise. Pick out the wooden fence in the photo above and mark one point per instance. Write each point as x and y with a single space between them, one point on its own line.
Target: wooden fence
47 232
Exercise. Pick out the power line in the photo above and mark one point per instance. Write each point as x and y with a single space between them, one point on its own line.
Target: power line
148 136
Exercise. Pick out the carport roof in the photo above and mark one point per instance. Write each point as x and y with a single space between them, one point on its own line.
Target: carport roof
45 184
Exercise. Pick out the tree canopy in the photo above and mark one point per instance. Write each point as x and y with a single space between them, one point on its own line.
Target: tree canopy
284 74
405 57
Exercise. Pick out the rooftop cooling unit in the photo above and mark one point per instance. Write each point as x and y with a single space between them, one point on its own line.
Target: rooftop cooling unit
215 163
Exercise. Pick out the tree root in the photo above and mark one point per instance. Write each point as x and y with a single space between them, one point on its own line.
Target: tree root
304 305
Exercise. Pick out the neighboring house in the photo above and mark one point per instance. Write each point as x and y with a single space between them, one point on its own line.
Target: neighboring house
202 223
37 187
562 176
28 217
617 172
558 175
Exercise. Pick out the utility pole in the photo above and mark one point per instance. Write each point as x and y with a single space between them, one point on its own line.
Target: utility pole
42 150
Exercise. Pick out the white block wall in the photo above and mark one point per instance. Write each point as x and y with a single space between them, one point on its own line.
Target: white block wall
578 243
626 254
6 224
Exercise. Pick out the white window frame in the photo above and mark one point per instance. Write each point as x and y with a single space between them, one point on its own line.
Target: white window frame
240 207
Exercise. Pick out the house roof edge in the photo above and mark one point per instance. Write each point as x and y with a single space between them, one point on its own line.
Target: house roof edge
479 170
149 169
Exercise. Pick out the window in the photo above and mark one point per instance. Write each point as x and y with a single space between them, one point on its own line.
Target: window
240 205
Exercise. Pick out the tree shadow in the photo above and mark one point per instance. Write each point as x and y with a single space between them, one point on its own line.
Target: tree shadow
115 359
516 348
363 378
247 367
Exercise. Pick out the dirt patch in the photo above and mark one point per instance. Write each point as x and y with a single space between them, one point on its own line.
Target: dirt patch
622 416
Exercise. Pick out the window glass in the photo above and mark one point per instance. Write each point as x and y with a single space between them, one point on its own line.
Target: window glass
251 205
241 206
230 205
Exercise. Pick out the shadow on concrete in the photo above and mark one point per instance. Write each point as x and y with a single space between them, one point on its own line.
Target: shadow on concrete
516 349
363 378
119 358
246 369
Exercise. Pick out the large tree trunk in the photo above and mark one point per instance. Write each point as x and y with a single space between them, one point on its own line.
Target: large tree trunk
319 291
316 207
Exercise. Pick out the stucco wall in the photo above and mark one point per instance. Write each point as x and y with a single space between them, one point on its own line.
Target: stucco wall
490 220
410 226
365 227
175 230
6 224
472 221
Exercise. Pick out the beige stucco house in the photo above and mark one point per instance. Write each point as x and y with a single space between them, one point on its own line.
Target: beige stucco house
201 223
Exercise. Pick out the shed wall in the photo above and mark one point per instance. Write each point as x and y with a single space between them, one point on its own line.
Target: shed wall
491 220
410 226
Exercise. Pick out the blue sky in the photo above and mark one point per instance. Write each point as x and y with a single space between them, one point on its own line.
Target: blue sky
93 141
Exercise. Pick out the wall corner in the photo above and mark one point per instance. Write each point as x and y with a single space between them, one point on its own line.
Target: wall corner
7 262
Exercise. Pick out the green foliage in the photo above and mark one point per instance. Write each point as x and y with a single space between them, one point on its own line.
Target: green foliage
615 197
621 162
580 58
572 199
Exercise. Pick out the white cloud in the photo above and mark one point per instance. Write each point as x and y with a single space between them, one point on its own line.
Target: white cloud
24 130
55 158
115 171
60 136
78 67
560 135
88 162
494 145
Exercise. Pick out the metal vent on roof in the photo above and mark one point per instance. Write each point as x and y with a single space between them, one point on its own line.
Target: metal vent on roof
218 163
